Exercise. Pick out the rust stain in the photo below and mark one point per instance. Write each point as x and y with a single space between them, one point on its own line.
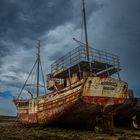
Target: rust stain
102 91
105 91
44 110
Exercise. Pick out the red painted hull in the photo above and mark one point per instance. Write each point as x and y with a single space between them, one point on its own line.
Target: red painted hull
103 101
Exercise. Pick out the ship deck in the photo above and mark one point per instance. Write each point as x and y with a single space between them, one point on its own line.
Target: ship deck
100 63
100 69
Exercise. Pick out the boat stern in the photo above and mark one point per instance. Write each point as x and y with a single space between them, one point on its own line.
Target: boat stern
105 91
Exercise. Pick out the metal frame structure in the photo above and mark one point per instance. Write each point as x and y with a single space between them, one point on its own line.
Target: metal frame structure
100 61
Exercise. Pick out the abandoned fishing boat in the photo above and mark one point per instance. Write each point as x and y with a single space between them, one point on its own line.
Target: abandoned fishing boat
81 85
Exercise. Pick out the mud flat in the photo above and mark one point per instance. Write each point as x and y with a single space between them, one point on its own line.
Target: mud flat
11 129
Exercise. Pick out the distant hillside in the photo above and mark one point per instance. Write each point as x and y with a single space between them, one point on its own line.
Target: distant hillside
8 118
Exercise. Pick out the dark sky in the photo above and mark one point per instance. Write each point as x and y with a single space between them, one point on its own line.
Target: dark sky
113 25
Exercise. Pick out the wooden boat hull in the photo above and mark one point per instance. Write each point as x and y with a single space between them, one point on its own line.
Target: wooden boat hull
46 109
85 100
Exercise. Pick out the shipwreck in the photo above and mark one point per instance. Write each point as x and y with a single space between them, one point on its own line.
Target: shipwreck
83 90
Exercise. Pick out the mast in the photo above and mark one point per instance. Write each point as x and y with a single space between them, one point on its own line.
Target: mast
38 61
85 28
37 68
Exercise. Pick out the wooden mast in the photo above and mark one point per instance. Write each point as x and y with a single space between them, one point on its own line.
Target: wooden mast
38 63
39 70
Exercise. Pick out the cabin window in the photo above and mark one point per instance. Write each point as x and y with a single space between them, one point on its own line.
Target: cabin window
22 104
79 75
65 82
82 75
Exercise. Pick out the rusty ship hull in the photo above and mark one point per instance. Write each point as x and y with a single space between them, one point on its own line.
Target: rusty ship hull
45 109
82 88
95 93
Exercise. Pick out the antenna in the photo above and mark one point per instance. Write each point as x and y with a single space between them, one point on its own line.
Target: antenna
80 43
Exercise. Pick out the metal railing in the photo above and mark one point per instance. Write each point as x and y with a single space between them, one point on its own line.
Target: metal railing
79 54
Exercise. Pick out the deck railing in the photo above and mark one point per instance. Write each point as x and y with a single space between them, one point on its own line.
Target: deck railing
79 54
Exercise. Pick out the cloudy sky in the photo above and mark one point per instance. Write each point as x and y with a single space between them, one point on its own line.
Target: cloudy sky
113 25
